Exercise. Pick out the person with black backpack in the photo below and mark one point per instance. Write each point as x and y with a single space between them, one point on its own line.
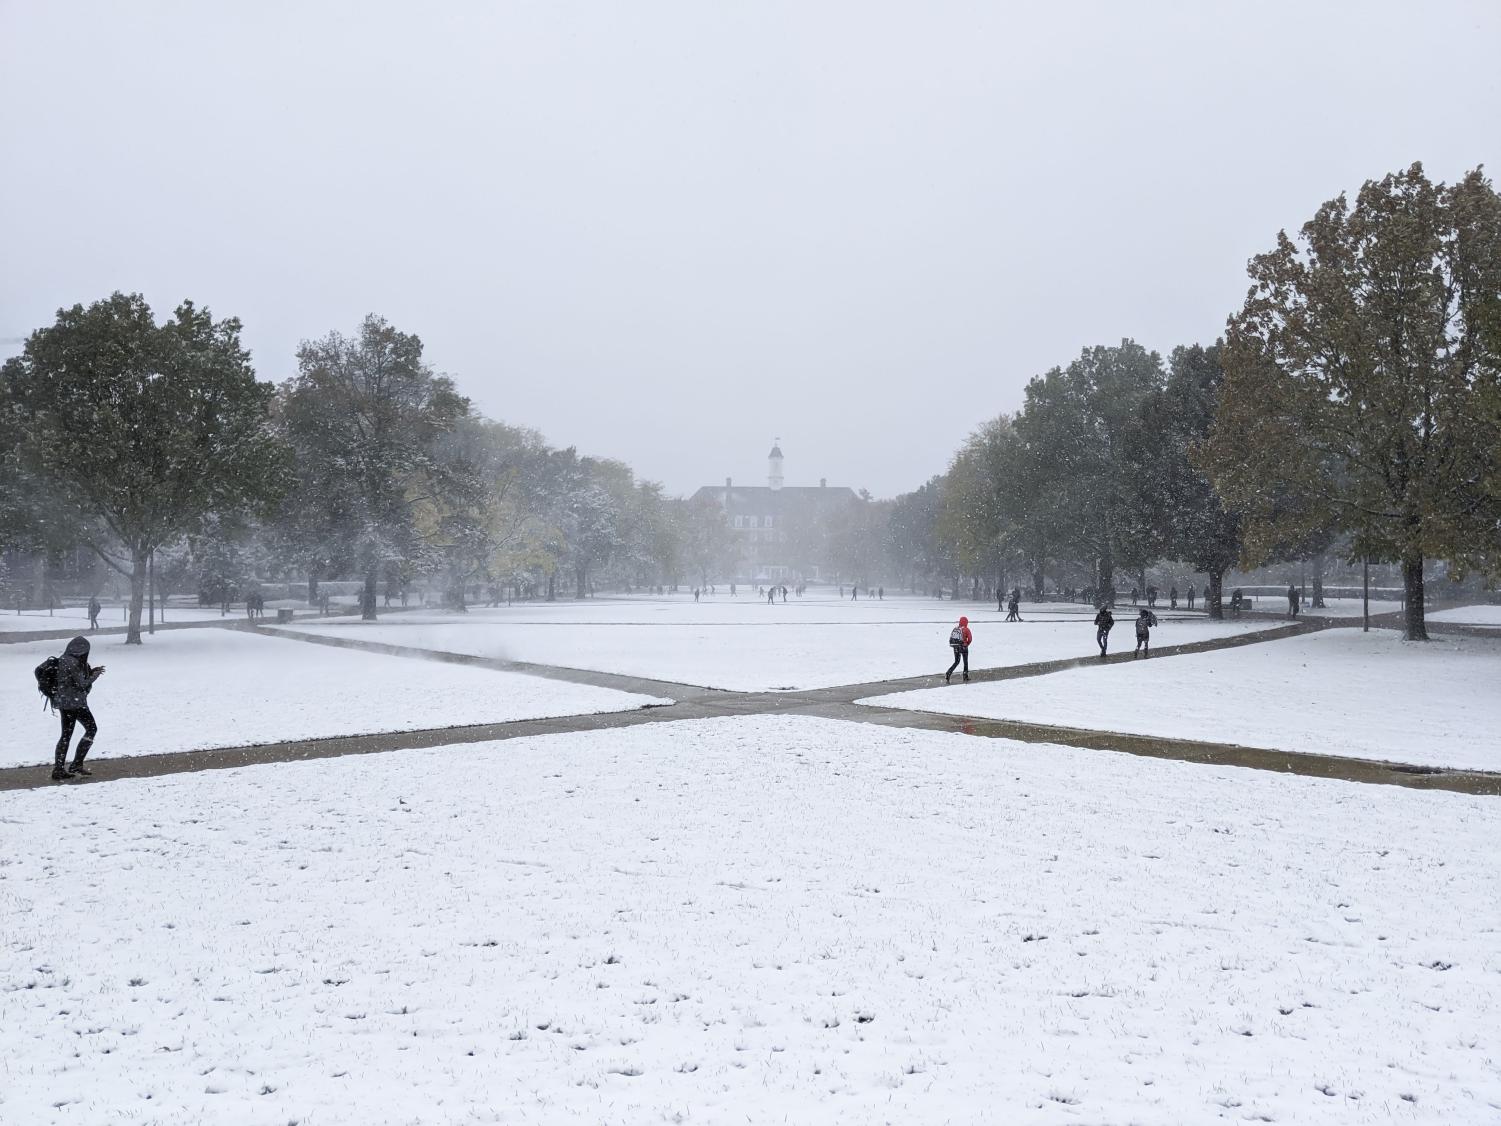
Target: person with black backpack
959 640
70 677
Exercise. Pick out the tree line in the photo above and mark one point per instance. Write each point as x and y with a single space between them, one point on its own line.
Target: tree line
136 439
1352 406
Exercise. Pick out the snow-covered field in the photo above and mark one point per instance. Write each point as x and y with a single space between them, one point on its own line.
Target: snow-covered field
186 690
1342 607
1340 692
1484 615
110 617
760 919
750 646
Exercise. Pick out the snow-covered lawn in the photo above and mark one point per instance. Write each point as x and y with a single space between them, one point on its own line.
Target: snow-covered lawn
750 646
763 919
110 617
1340 692
1341 607
186 690
1482 615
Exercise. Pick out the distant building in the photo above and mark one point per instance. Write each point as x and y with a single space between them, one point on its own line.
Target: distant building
782 530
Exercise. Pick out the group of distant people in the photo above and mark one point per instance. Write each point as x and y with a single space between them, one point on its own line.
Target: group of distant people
961 637
1172 594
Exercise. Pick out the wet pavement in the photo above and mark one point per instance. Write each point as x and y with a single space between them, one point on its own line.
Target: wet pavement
693 702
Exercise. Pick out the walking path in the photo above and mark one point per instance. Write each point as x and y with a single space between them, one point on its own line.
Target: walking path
839 703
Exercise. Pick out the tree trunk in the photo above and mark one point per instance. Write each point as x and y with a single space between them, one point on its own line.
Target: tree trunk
1105 575
1214 595
138 559
312 585
552 586
367 608
1317 562
1039 581
1412 591
582 575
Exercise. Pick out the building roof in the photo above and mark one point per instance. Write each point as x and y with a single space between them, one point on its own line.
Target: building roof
763 500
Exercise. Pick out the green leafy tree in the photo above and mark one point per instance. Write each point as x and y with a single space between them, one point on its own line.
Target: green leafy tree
142 430
365 415
1360 379
1077 424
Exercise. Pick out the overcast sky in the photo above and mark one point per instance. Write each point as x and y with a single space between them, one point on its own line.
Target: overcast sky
671 232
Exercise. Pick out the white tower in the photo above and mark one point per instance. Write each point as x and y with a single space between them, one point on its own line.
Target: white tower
774 464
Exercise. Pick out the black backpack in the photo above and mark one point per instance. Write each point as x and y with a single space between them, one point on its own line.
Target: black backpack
46 681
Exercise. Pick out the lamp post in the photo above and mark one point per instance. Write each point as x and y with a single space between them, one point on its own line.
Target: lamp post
1365 567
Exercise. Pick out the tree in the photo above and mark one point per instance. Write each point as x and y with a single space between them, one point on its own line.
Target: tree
364 414
1076 424
143 429
1360 377
709 541
1199 529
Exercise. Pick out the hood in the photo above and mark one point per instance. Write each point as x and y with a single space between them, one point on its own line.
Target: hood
962 622
78 647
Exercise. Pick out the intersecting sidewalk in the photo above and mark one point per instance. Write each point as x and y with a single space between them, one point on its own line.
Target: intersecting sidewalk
697 702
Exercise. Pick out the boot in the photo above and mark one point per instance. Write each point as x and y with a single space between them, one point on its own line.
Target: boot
60 774
78 757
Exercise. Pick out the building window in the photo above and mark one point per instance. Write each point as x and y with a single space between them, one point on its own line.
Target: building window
738 519
753 521
768 521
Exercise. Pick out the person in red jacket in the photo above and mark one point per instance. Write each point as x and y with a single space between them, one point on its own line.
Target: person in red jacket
959 639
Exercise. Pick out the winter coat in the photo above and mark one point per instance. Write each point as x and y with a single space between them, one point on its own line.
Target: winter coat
74 676
1104 619
965 634
1144 623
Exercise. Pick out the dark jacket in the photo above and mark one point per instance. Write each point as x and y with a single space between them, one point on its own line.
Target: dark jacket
74 676
1104 619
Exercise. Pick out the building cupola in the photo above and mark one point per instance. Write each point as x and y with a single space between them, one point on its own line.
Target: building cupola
774 465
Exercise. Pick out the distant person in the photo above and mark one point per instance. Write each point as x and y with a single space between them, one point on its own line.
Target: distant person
771 596
1151 596
854 593
784 592
75 678
1190 596
880 594
841 590
1103 621
1134 595
1144 623
1292 601
1013 607
1172 598
94 609
1237 602
960 638
695 594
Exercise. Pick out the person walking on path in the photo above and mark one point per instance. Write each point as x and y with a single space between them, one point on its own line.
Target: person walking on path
1190 596
1013 607
1172 598
1144 623
1103 621
1292 601
74 680
959 641
94 609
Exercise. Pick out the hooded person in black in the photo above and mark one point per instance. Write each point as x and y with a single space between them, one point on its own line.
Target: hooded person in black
74 680
1103 621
